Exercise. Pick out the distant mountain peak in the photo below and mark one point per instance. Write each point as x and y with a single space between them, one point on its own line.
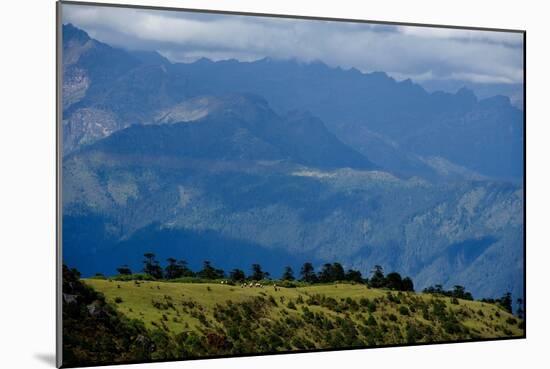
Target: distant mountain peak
466 92
380 75
236 127
351 104
72 33
150 57
497 101
198 107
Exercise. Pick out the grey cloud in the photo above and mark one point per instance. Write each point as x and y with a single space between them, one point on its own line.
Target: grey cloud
419 53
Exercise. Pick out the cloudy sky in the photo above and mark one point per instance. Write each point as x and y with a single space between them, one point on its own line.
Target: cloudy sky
489 62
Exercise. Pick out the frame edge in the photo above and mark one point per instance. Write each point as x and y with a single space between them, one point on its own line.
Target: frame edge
58 157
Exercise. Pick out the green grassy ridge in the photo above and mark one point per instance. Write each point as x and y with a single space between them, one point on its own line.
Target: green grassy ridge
266 282
215 319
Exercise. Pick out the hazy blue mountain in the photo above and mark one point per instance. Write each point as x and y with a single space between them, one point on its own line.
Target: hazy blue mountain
90 64
398 125
149 57
237 128
223 183
483 90
89 68
280 162
420 123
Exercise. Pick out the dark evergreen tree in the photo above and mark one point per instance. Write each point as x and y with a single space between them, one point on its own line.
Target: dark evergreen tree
257 273
124 270
506 302
338 273
209 272
171 271
393 281
307 273
177 269
331 273
408 284
288 274
354 276
460 293
151 266
436 289
237 275
377 280
325 274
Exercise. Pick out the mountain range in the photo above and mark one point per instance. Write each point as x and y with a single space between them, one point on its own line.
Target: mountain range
281 162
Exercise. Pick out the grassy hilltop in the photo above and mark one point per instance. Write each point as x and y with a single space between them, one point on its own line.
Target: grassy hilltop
203 319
